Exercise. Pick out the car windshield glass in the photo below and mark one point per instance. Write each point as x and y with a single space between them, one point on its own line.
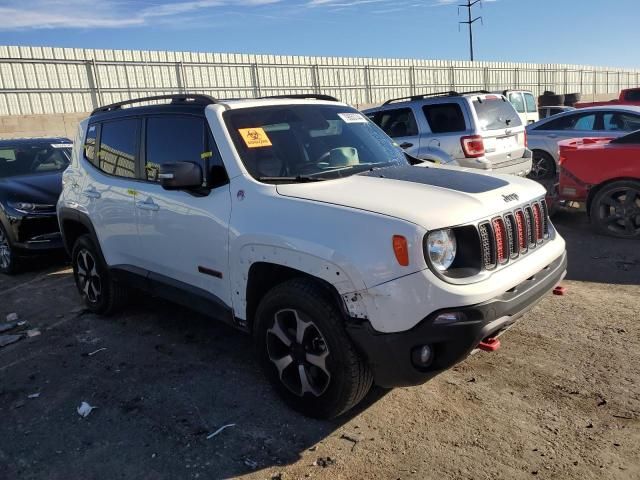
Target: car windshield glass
289 143
495 113
34 159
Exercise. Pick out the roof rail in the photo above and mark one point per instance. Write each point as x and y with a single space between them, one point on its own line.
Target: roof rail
175 99
311 96
450 93
474 91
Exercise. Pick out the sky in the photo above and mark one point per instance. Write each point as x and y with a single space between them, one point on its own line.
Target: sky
587 32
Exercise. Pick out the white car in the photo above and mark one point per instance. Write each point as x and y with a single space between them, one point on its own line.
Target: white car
300 222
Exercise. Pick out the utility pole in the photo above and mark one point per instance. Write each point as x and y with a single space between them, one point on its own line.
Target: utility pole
469 5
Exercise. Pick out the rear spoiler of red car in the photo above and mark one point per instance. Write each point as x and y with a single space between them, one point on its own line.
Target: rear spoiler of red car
576 143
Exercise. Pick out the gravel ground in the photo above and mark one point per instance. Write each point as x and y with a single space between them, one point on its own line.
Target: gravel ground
559 400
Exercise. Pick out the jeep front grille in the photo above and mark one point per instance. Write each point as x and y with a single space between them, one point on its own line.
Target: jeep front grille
513 234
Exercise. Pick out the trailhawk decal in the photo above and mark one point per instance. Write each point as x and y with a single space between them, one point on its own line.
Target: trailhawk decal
438 177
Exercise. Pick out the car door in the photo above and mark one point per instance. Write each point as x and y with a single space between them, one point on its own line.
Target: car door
531 106
446 123
517 100
401 125
182 235
105 193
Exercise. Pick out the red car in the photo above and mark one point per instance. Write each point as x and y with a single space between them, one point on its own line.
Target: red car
605 174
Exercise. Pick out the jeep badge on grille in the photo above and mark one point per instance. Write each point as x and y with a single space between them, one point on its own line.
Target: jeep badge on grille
511 197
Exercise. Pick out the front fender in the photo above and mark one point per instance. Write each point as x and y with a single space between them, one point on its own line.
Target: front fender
303 256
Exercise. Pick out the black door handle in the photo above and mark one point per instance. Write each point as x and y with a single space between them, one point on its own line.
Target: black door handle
406 145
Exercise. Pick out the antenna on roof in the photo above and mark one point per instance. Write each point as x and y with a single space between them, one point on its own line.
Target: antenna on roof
469 5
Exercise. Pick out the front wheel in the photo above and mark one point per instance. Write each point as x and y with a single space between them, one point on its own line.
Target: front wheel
8 260
543 166
98 289
304 350
615 210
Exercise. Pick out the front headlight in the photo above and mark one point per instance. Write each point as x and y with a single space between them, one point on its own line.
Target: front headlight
441 248
25 207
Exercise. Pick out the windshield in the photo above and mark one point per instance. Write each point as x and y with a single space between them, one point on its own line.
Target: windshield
309 142
495 113
34 159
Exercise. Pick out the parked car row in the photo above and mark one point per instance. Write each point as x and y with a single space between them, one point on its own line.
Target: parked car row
296 219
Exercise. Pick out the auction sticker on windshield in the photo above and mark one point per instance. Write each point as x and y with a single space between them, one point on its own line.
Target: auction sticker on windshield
353 118
255 137
62 145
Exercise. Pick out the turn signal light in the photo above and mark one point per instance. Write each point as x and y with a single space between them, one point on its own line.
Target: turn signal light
401 250
472 146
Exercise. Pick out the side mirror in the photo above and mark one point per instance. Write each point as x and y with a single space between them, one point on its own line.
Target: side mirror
180 175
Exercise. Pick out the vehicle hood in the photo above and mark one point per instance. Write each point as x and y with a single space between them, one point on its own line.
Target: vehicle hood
429 196
41 188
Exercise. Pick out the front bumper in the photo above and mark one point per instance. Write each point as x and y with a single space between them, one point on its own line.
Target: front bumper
518 166
389 354
35 233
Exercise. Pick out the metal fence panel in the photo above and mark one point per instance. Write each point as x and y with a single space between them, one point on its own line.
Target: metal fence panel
44 80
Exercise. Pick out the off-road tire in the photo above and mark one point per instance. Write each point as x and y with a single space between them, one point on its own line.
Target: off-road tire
112 295
606 217
570 99
350 376
550 100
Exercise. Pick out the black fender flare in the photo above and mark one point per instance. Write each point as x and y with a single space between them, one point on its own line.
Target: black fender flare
69 214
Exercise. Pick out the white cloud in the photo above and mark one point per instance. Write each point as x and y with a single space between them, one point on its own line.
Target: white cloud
82 14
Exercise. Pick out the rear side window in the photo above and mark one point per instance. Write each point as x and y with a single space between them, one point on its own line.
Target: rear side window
90 145
445 118
530 102
495 113
517 101
621 122
119 147
571 122
173 138
397 123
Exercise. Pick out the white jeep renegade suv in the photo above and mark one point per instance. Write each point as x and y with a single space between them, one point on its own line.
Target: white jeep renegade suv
299 221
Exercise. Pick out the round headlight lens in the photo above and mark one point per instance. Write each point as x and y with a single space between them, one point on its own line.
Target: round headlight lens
441 248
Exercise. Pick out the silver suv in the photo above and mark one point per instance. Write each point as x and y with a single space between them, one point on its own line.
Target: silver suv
474 129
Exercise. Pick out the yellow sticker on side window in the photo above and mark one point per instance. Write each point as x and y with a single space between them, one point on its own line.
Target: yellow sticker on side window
255 137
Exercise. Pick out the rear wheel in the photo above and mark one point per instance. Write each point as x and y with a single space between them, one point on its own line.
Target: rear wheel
8 260
543 166
100 292
305 351
615 210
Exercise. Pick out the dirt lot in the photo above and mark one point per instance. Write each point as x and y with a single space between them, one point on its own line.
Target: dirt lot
559 400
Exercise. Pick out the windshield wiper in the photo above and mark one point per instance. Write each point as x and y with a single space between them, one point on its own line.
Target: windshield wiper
296 179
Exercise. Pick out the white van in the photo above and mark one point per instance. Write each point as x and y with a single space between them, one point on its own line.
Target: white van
525 104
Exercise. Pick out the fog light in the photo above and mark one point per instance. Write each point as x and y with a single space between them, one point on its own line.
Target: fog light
422 356
449 317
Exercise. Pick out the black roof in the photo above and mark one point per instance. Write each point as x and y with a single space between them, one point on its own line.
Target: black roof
27 142
182 102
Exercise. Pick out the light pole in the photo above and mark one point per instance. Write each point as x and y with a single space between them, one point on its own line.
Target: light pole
469 5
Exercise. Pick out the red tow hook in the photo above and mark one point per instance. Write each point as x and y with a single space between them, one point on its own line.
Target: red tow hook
559 290
489 344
